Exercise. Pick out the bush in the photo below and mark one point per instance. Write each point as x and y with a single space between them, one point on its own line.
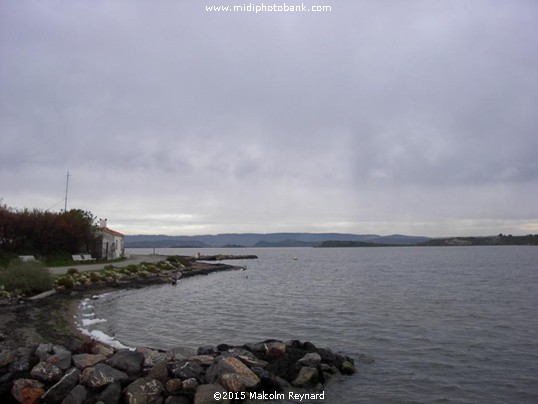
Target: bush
72 271
29 277
66 281
179 260
132 268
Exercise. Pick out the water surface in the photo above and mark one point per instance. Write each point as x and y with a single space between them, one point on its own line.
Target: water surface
444 324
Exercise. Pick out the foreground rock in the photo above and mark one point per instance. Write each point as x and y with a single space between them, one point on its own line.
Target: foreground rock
52 374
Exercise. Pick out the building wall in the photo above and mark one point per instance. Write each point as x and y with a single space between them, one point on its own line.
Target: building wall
112 246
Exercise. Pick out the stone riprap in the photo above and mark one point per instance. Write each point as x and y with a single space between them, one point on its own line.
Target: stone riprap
48 373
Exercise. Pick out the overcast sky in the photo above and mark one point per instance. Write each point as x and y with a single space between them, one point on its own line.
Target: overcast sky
380 116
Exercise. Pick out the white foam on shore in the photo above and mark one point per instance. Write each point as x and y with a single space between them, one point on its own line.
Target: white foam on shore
84 324
104 338
88 322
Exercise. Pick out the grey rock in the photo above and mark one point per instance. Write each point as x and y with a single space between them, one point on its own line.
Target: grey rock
111 394
62 359
43 351
76 396
173 386
152 356
180 353
234 365
46 372
61 389
159 372
311 359
347 368
307 376
177 400
22 366
190 384
7 358
205 394
128 361
186 369
203 360
206 350
84 361
145 390
101 375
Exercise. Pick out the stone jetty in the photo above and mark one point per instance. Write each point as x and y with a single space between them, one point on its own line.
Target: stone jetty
222 257
48 373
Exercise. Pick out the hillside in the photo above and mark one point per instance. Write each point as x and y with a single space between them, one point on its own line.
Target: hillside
264 240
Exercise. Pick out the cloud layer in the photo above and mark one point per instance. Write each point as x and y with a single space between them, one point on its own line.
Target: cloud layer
411 117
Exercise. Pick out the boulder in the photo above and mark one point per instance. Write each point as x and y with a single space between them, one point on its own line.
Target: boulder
275 350
190 384
252 361
61 389
173 386
206 350
205 394
43 351
143 391
347 368
27 391
128 361
7 358
159 372
101 375
232 382
234 365
307 376
152 356
20 367
186 369
268 381
181 353
177 400
62 359
100 349
76 396
203 360
111 394
46 372
311 359
84 361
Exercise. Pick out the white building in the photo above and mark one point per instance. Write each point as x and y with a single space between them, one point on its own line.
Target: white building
112 244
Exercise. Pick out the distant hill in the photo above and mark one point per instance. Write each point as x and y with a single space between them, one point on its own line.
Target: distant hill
263 240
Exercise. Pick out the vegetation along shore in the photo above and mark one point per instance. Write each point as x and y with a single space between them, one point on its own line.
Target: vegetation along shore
44 358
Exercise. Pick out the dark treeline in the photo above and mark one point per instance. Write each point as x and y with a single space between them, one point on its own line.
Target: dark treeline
501 239
46 234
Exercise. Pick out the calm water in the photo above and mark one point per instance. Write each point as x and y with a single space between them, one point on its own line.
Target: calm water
449 324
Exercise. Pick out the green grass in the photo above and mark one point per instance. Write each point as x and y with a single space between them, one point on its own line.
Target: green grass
26 277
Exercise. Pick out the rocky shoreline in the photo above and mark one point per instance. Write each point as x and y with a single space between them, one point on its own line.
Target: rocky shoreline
75 369
51 373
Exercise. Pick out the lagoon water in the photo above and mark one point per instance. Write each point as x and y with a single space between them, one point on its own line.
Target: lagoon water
447 324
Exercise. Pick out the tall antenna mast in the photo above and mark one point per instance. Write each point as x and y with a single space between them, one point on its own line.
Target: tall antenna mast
66 188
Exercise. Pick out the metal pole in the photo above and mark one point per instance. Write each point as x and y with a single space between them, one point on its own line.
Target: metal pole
66 189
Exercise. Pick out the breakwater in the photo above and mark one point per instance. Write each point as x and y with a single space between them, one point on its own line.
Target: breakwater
50 373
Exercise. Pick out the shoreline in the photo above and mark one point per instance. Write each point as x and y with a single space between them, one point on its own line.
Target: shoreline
44 357
25 322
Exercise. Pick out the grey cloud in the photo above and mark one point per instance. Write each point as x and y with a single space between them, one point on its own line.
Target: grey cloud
378 110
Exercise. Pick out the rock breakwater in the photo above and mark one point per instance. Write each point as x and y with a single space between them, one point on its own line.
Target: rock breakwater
48 373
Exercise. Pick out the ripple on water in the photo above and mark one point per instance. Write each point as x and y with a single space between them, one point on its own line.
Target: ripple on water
443 324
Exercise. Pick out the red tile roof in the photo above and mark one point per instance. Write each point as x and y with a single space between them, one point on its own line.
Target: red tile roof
113 232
